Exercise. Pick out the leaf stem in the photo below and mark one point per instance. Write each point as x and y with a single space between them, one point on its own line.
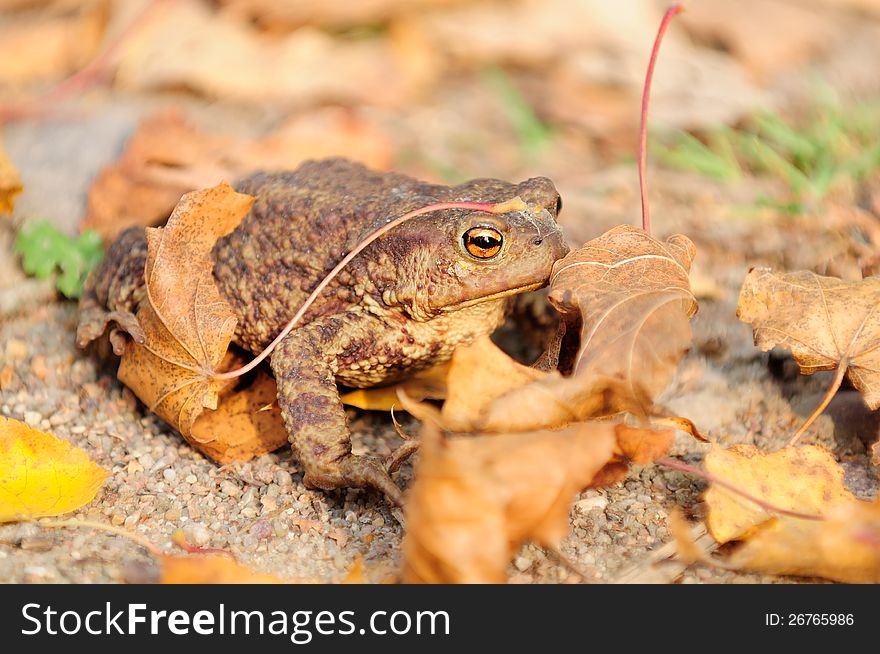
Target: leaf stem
826 400
708 476
643 124
513 204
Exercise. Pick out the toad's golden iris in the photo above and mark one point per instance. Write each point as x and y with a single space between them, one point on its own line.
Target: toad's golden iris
483 242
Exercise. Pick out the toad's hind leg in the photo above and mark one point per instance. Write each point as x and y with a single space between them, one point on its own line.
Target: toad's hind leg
315 418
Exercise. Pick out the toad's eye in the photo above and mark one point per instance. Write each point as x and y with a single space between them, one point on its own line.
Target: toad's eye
483 242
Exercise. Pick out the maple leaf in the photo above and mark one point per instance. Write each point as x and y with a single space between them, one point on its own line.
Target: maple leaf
825 322
836 536
845 546
187 324
630 293
805 479
476 500
42 475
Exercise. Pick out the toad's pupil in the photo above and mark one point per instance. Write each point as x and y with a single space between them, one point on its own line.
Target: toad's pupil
483 242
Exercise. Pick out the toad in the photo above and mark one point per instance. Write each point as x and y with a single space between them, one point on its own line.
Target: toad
402 305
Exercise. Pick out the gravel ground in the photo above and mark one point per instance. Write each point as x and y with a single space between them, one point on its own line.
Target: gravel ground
261 511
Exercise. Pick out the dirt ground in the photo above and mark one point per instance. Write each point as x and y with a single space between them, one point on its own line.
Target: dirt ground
260 510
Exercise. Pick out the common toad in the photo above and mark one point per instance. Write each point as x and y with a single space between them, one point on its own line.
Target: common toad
400 306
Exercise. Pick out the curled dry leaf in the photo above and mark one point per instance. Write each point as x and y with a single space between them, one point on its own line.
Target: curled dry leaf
630 294
42 475
476 500
187 327
804 479
10 183
824 321
843 545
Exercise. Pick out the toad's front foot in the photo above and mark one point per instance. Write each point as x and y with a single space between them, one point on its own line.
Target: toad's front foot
354 471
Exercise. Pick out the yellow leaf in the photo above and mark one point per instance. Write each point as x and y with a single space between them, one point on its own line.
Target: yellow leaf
843 547
427 384
10 183
42 475
805 479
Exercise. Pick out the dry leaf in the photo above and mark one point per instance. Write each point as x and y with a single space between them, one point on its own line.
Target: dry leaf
50 43
246 424
42 475
804 479
476 500
821 320
427 384
10 183
167 157
187 324
632 297
844 547
193 47
210 569
285 16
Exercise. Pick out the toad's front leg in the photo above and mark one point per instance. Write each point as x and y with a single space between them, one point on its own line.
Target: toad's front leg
315 418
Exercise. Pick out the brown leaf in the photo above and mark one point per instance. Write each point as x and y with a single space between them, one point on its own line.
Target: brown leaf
476 500
821 320
10 183
631 294
196 48
167 157
246 424
804 479
49 43
285 16
187 324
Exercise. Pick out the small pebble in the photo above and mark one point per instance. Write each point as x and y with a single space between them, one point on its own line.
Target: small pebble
522 563
230 488
169 474
197 534
32 418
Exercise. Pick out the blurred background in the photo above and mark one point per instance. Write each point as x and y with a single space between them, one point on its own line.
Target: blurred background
112 108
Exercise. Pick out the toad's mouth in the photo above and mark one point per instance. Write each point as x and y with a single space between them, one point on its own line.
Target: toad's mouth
495 296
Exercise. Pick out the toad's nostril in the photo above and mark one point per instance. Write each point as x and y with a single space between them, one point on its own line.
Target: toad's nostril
538 241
